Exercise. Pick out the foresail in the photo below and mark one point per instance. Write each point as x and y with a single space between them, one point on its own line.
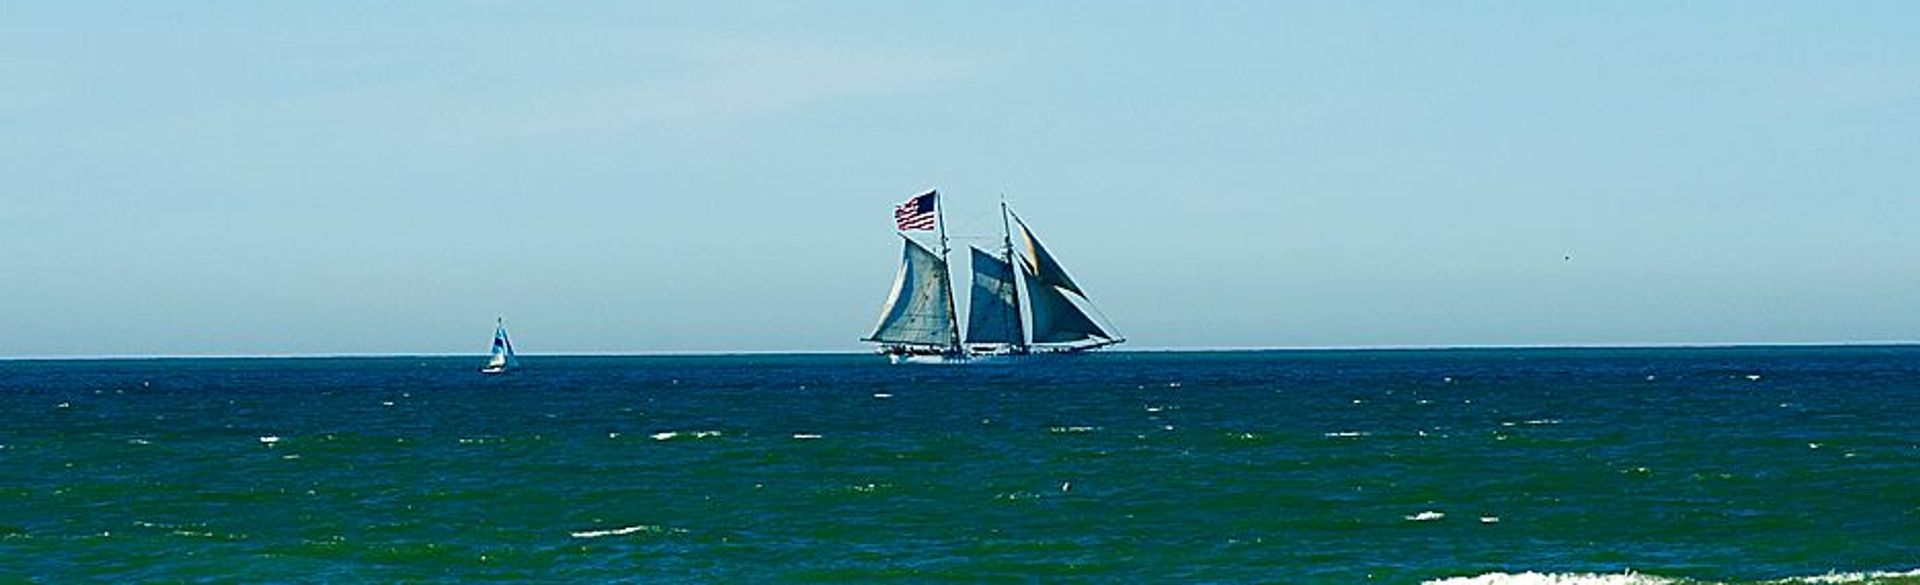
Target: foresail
993 315
920 308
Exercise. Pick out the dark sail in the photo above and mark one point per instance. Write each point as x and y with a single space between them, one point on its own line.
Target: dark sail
994 312
1056 318
1041 265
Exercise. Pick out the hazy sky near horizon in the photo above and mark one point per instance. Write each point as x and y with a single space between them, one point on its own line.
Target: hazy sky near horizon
271 178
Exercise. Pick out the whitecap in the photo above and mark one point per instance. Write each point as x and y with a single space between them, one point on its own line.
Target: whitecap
1427 516
1753 377
1854 577
1076 429
805 436
139 442
647 528
269 439
1532 422
1489 519
1347 434
1532 578
665 435
882 395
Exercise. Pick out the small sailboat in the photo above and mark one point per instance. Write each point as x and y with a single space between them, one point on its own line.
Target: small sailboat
1022 301
502 358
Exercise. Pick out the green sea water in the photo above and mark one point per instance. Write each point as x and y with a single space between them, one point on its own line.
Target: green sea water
1751 465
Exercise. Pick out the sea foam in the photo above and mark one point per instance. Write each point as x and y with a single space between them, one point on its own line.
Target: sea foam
1532 578
647 528
1632 578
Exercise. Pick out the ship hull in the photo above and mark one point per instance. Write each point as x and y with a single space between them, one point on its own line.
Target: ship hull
984 359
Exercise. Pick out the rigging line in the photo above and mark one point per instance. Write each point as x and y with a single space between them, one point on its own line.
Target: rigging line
972 220
1103 317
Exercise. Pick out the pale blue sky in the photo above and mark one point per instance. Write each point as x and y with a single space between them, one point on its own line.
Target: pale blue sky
370 177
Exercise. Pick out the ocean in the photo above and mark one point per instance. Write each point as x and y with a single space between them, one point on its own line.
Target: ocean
1722 465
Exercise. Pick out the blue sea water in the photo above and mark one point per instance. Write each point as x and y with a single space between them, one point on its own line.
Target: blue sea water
1734 465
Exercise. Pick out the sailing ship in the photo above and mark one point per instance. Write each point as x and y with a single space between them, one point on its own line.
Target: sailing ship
502 358
1021 301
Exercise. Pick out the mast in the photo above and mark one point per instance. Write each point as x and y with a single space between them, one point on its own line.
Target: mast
1006 240
953 316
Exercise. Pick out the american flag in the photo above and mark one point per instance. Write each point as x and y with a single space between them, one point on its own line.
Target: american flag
917 213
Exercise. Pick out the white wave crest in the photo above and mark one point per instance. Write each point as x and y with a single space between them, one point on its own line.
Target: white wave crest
671 435
1532 578
1854 577
647 528
1632 578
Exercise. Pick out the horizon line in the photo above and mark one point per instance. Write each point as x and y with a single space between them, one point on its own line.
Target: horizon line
1199 349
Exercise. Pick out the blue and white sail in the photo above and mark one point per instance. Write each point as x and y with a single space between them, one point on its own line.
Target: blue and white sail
502 358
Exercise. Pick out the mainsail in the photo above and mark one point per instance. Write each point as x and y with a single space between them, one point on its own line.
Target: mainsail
1056 318
994 313
919 311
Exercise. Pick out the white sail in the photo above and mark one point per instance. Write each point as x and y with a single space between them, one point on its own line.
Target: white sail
919 311
993 315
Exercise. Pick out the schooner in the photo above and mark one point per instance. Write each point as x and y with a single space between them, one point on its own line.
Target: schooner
1021 301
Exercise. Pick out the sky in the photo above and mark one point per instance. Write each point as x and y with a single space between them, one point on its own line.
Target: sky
246 178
